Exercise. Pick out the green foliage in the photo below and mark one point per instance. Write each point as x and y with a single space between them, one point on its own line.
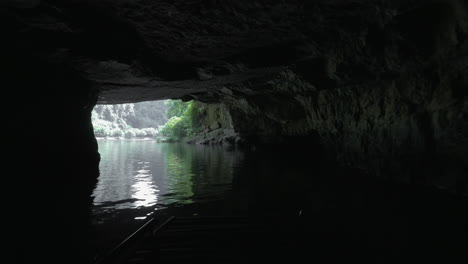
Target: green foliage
100 132
176 128
176 108
144 119
130 134
116 132
129 120
185 119
150 131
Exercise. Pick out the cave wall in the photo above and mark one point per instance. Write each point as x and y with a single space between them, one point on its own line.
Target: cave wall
406 129
216 126
51 163
388 97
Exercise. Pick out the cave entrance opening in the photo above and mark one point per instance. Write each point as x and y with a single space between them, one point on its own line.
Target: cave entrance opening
140 148
141 175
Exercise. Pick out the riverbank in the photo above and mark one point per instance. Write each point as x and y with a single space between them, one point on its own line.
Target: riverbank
123 138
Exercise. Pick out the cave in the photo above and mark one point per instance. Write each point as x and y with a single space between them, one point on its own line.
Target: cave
377 89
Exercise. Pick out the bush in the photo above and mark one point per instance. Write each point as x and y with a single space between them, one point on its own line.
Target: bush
140 132
100 132
130 133
176 128
150 132
116 132
185 119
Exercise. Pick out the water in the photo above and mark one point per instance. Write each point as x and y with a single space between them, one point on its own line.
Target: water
341 207
143 173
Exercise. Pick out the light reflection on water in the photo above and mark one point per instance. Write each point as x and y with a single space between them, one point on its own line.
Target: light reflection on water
135 173
144 190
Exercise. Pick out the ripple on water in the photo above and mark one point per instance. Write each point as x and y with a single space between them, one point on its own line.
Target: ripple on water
160 174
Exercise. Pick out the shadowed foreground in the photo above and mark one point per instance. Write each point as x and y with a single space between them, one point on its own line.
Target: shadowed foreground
363 222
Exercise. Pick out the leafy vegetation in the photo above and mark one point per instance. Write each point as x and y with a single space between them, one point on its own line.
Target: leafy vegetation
129 120
185 119
172 119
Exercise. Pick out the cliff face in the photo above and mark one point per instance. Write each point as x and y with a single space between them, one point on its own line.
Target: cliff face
130 120
379 85
217 126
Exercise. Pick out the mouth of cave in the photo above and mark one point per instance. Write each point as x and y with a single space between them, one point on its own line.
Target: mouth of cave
146 162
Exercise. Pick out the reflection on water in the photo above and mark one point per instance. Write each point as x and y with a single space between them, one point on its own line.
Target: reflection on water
144 191
136 173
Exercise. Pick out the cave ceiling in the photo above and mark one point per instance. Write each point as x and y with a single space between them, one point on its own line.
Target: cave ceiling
137 50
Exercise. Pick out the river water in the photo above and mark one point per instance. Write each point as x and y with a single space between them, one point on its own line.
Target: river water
139 178
143 173
142 178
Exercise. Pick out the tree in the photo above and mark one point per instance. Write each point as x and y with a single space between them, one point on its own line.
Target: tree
185 119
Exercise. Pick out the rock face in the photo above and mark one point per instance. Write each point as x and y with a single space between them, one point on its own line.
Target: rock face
378 85
403 129
217 126
140 119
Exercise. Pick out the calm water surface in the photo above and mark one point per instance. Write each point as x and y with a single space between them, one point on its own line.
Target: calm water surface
143 173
